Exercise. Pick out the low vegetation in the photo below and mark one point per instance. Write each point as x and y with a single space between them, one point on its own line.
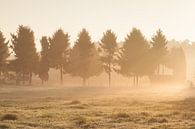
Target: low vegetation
114 109
9 117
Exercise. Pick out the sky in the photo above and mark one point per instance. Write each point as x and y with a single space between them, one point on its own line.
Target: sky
176 18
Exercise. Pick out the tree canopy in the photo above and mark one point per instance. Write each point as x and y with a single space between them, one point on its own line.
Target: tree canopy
4 53
108 49
84 60
44 60
24 49
158 50
134 49
59 51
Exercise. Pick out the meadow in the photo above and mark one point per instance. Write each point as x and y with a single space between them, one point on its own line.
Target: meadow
63 107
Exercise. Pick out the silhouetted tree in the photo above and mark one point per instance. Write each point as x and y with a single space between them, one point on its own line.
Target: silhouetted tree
4 54
108 48
24 49
44 61
133 55
84 60
59 51
158 50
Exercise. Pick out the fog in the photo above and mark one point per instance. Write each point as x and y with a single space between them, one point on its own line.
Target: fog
97 64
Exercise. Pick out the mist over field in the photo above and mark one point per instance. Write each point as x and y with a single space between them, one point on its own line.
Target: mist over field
96 107
96 64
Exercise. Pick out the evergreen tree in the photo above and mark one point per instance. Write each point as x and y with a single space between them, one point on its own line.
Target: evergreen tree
59 51
4 54
84 60
108 48
176 60
133 56
158 50
44 62
24 49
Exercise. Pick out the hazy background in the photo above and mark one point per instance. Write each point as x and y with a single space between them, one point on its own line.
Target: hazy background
175 17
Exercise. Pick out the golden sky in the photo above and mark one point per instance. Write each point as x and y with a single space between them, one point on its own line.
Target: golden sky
175 17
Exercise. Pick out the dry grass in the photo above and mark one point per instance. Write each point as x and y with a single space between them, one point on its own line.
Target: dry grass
102 108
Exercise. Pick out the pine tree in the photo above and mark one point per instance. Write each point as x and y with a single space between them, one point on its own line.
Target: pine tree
108 48
59 51
44 61
84 60
176 60
158 50
23 46
133 56
4 54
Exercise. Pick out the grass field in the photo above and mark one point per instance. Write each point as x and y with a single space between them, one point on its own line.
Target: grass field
24 107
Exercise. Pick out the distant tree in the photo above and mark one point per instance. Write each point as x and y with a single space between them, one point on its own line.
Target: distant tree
108 48
176 60
158 50
23 46
84 60
133 56
59 51
44 61
4 54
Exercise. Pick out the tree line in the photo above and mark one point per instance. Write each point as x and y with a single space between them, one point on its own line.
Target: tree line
134 58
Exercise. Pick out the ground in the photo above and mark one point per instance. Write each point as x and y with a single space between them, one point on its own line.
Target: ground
60 107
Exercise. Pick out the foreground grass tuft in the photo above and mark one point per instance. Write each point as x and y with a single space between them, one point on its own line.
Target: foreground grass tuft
4 127
157 120
80 120
9 117
122 115
75 102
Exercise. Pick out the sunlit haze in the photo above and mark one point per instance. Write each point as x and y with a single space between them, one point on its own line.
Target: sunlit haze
97 64
175 17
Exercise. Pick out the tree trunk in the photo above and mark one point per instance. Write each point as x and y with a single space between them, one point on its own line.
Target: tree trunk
109 78
23 78
163 69
17 80
30 78
42 82
109 75
133 80
137 80
158 70
84 81
61 74
0 77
